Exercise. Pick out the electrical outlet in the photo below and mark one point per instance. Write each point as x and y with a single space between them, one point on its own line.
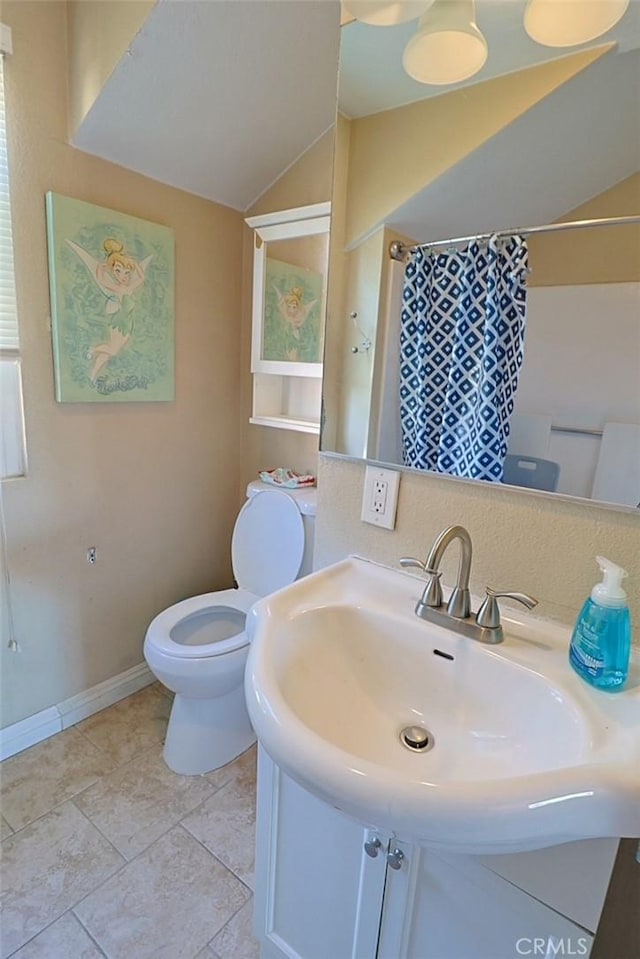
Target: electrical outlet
380 497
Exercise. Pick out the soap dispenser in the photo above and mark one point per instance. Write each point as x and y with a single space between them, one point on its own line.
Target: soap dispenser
601 642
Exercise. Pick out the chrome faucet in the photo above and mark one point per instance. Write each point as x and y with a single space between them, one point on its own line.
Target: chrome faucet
485 626
459 604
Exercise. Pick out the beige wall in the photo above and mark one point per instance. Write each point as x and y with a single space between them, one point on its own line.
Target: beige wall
99 34
153 486
602 255
262 447
363 268
307 181
523 541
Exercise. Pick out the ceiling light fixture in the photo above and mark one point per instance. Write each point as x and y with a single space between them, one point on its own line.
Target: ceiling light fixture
448 46
383 13
566 23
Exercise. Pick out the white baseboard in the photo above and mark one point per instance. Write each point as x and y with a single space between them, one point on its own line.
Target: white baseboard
33 729
104 694
48 722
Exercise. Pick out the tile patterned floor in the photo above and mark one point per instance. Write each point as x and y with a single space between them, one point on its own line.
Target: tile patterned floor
107 854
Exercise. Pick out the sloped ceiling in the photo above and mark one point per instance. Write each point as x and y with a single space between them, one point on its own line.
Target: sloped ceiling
218 98
570 147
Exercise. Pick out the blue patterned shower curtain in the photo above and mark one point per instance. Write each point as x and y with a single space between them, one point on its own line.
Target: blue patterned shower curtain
461 349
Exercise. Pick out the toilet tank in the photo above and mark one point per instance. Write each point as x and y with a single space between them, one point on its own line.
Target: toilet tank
306 498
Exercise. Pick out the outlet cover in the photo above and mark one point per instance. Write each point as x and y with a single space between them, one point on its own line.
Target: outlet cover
380 497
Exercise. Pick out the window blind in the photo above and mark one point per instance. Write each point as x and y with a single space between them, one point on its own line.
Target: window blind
8 313
13 456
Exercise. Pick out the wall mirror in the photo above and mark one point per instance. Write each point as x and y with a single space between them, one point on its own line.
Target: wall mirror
540 135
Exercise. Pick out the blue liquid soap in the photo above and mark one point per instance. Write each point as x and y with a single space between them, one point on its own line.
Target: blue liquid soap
601 643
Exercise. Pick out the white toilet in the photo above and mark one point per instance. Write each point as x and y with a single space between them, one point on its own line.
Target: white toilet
198 648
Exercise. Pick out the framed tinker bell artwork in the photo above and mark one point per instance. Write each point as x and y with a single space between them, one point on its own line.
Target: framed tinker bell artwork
111 279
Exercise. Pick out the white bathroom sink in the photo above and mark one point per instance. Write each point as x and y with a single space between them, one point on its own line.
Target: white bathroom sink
521 753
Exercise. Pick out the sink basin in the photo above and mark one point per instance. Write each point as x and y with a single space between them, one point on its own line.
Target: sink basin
374 670
519 752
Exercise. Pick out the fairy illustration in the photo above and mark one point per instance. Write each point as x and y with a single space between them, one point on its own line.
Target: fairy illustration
294 312
117 277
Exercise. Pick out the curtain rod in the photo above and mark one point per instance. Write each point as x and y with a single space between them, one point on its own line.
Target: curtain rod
398 250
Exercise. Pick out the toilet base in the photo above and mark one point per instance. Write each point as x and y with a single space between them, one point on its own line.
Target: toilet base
204 734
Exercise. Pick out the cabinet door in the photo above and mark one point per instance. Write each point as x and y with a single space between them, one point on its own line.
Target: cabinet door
318 893
450 907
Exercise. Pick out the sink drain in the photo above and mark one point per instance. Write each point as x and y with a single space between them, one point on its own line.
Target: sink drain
416 738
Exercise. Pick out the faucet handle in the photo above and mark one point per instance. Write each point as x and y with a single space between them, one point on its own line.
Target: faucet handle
432 595
489 613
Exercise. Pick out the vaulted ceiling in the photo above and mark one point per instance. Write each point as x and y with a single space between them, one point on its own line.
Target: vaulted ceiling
219 98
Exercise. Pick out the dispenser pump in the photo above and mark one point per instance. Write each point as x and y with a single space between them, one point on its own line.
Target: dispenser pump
609 592
600 646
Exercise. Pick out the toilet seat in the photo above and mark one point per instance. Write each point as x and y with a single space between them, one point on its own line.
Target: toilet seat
159 632
267 543
266 552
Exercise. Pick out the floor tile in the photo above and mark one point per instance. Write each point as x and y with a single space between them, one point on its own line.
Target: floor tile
36 780
163 689
51 864
166 904
5 828
65 939
242 770
137 803
236 939
129 727
225 824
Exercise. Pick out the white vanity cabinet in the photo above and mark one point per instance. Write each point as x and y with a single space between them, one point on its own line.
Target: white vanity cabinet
329 888
318 894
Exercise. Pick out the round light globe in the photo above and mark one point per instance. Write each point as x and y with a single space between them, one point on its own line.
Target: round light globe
448 46
567 23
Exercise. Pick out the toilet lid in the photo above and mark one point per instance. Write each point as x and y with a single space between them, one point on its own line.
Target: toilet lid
267 543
